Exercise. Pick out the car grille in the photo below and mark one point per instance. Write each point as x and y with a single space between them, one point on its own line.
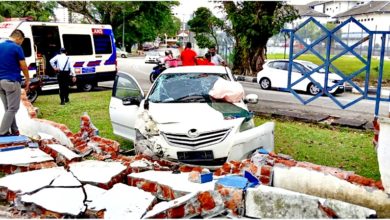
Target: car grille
202 140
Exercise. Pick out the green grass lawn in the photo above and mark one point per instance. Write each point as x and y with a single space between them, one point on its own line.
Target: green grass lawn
337 147
348 65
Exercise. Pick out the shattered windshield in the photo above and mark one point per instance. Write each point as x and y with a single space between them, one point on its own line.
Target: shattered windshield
184 87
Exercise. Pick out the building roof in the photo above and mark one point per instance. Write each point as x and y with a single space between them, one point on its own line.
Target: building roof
305 10
369 7
314 3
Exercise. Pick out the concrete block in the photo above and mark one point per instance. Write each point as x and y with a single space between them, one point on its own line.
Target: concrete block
167 185
272 202
320 184
384 152
102 174
23 156
124 202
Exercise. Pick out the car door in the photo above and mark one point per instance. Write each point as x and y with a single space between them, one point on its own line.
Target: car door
279 74
124 104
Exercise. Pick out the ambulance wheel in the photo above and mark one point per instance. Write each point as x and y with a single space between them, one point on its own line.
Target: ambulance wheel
86 87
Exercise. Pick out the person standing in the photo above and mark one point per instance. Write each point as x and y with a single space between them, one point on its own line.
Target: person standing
188 56
61 64
216 58
12 61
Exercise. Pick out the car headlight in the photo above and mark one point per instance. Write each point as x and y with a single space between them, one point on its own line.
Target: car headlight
246 125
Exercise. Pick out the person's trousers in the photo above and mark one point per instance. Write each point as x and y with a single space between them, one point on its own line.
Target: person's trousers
10 96
63 82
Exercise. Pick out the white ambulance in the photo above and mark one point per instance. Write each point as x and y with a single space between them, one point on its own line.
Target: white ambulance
91 48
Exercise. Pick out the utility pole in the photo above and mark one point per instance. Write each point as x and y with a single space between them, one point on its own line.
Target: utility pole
123 32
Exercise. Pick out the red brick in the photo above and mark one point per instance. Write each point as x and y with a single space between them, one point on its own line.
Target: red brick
206 200
149 187
177 212
266 170
167 192
265 180
289 163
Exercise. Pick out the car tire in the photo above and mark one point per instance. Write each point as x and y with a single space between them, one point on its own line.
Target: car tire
86 87
312 89
32 96
265 83
123 56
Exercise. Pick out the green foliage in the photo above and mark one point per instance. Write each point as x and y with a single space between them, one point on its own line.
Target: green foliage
204 24
94 103
343 148
39 11
252 24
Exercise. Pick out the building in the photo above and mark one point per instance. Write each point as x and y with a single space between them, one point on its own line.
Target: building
306 12
332 8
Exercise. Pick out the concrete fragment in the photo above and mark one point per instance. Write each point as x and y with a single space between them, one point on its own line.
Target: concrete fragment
23 156
167 185
272 202
183 207
316 183
231 189
125 202
384 152
102 174
30 181
64 151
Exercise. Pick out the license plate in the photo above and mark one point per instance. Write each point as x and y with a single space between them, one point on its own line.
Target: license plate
88 70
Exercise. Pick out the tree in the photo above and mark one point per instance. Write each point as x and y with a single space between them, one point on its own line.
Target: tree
252 24
143 20
204 24
39 11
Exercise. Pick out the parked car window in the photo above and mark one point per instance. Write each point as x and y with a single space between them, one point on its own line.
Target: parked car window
280 65
312 66
102 44
184 87
301 67
77 44
126 87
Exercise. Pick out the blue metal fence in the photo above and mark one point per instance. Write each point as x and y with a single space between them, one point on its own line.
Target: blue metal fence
328 36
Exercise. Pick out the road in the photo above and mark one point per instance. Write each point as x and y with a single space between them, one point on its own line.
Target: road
271 101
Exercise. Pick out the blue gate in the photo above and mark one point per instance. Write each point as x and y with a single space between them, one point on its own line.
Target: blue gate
327 62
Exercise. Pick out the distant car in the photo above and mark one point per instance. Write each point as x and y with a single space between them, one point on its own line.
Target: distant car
275 75
154 56
121 53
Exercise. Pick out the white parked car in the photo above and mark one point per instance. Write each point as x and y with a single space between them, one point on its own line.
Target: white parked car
154 56
121 53
179 121
275 75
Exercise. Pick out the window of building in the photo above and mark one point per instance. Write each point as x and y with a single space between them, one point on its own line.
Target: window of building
102 44
77 44
26 47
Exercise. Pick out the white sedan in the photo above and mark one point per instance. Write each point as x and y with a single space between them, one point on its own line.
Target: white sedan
179 121
275 75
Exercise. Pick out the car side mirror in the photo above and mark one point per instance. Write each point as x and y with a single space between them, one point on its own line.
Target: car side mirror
251 98
131 101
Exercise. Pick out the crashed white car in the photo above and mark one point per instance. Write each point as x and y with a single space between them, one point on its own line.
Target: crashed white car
178 119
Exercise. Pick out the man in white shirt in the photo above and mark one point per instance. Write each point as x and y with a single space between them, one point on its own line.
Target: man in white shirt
216 58
62 64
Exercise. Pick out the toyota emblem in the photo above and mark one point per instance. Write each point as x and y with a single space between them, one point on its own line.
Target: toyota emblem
193 133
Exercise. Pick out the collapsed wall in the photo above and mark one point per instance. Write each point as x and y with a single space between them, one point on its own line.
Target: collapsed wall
84 175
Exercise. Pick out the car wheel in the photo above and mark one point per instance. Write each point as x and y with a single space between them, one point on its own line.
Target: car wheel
123 56
32 96
265 83
312 89
86 87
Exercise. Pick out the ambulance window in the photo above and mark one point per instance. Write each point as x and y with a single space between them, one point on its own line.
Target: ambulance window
77 44
102 44
26 47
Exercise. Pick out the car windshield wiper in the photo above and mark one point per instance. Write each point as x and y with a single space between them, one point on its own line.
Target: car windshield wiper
189 98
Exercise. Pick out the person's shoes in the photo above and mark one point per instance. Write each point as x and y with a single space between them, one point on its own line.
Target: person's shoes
5 135
15 133
62 103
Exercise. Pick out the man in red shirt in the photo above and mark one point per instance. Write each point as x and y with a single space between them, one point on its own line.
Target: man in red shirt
206 61
188 56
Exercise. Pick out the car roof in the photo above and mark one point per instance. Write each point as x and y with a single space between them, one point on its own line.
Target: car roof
198 69
297 61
